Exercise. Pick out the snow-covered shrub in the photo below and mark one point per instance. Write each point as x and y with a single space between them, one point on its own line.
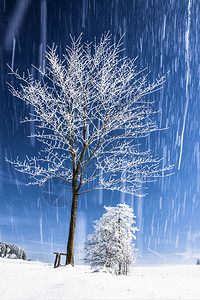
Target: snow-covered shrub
11 251
111 244
2 250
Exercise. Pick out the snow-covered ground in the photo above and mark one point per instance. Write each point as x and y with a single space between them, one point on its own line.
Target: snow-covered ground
34 280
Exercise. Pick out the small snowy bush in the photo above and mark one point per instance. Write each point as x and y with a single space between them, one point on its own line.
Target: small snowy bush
111 244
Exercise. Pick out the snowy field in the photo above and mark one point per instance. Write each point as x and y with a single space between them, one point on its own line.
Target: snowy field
34 280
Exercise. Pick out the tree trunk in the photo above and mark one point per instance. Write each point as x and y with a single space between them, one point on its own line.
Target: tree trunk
120 269
71 237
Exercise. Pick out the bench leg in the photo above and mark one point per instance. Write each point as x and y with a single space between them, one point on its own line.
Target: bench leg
59 260
56 260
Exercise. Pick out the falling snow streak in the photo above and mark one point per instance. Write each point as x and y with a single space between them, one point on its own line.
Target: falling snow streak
15 22
41 234
43 33
13 53
187 44
164 35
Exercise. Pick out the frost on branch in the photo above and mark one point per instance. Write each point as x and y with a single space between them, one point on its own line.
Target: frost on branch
111 244
89 108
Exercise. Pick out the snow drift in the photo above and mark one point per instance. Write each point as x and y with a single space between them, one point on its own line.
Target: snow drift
34 280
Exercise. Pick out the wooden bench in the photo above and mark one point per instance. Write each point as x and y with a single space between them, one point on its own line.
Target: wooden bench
57 259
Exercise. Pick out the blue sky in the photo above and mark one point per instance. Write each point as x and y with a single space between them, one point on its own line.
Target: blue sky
155 31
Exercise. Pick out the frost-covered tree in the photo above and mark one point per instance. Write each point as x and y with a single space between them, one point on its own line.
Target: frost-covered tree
89 108
11 251
111 244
